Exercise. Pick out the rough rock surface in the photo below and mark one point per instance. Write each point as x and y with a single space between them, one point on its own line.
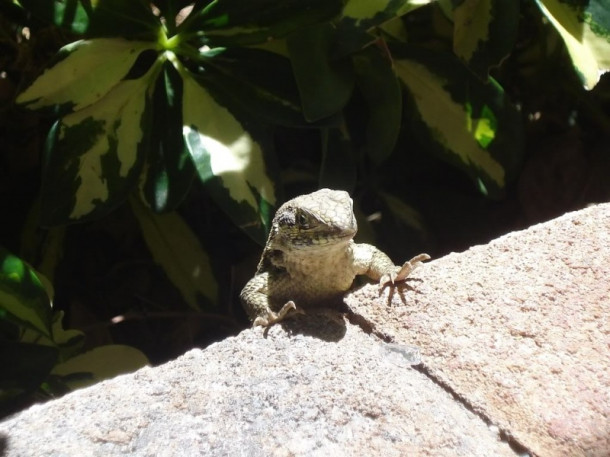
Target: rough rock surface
313 386
519 329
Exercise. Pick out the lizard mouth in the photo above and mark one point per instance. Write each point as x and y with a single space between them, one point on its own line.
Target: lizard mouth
325 239
336 236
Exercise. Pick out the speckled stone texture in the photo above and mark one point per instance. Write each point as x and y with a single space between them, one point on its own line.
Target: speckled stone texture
519 329
313 386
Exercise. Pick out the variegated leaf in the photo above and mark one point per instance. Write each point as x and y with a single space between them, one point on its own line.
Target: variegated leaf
83 73
228 159
23 299
472 124
364 14
485 32
359 17
585 29
102 362
98 154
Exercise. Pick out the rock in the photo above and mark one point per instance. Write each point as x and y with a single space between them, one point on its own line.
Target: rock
514 342
518 328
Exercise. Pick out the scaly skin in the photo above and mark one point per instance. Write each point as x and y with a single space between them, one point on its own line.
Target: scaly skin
310 258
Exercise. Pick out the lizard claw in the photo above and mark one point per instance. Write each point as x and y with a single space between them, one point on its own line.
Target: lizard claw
273 318
403 272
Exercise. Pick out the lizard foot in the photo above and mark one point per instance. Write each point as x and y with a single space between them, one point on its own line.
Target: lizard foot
273 318
403 272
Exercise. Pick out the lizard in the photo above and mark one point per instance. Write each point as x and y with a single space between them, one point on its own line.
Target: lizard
310 259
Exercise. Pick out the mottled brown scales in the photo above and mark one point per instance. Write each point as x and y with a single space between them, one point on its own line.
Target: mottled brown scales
310 258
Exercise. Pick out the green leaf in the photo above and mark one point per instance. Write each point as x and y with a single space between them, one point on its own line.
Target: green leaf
83 73
238 22
133 19
72 15
51 252
360 16
103 362
585 30
43 248
381 90
170 8
228 159
96 154
258 82
485 32
469 123
68 341
338 169
170 171
23 299
24 367
325 85
405 214
364 14
98 18
177 250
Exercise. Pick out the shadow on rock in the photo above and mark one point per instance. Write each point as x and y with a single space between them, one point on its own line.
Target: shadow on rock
325 324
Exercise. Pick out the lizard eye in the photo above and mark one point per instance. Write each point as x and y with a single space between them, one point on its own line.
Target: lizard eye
302 220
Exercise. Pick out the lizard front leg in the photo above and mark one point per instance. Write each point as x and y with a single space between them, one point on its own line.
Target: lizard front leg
255 299
405 270
370 261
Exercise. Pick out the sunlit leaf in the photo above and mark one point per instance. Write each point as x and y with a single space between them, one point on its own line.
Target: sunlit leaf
69 341
364 14
83 73
228 159
585 29
96 154
23 299
485 32
103 362
471 124
360 16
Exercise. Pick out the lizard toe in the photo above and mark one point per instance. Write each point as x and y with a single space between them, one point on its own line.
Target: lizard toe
409 266
273 318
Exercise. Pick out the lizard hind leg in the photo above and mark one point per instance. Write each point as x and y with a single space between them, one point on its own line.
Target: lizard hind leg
273 318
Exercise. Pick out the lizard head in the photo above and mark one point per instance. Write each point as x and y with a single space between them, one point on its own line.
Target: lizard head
321 219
